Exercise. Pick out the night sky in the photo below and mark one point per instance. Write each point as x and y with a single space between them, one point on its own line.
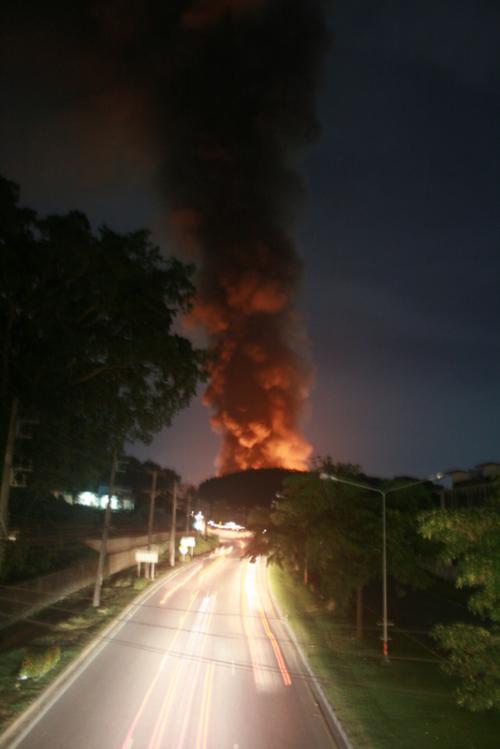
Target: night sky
399 234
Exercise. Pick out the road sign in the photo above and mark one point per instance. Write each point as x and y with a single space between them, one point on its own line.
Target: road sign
151 557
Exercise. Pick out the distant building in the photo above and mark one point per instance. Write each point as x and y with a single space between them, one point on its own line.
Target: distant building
98 499
472 486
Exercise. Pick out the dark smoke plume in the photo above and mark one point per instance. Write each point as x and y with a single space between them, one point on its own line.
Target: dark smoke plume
227 89
238 101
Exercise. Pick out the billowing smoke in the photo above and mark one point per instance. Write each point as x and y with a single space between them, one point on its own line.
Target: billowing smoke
226 89
240 102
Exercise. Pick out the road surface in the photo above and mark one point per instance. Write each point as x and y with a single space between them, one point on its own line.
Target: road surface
202 663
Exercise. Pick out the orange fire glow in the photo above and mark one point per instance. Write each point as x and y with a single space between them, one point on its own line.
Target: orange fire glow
257 389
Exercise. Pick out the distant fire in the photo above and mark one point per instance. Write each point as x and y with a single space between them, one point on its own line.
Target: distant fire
216 98
257 389
228 89
240 99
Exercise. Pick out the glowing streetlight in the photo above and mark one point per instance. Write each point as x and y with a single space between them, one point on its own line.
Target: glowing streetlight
383 494
199 522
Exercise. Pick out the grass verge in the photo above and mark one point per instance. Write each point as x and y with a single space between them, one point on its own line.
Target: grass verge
69 625
408 704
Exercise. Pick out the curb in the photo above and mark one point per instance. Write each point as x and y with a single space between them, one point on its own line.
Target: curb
22 725
328 711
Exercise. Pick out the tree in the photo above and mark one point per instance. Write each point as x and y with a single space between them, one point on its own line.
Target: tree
331 533
325 464
471 539
327 532
233 495
88 340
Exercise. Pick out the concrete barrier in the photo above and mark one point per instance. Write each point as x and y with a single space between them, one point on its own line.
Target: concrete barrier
25 598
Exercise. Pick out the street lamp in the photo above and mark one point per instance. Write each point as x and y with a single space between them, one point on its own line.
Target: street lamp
383 494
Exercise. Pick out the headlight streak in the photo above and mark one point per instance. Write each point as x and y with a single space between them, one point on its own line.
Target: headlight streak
161 722
211 568
285 674
170 591
263 677
247 599
128 741
201 739
203 624
187 703
287 680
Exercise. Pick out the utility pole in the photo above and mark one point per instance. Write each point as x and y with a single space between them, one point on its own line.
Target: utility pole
152 498
188 511
6 477
96 601
171 545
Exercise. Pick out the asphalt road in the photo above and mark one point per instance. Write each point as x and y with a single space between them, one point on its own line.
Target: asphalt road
202 663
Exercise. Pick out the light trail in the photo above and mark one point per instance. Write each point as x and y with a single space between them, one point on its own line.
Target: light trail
170 591
130 733
264 678
164 711
161 722
211 568
287 679
247 594
285 674
201 740
195 679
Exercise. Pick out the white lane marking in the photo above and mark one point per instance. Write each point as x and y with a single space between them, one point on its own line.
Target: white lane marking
129 743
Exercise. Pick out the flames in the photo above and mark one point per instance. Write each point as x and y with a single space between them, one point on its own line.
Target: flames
258 382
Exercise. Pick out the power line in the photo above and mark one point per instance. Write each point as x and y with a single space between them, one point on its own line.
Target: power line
250 666
238 615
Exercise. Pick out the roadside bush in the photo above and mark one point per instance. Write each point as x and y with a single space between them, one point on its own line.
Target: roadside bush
205 544
122 582
74 622
37 663
140 583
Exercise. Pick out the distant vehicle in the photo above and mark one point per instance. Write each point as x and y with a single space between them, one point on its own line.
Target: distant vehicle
229 526
233 526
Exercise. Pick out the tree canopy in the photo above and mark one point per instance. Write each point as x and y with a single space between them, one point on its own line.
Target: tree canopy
330 532
232 496
470 538
89 345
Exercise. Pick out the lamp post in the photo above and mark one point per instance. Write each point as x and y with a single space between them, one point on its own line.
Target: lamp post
383 494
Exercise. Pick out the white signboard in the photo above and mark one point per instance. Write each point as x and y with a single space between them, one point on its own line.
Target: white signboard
150 558
146 556
188 541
